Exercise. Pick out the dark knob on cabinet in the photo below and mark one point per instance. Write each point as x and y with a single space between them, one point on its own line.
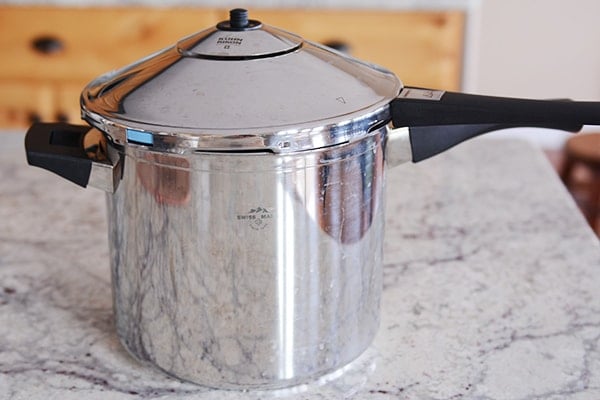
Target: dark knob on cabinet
47 45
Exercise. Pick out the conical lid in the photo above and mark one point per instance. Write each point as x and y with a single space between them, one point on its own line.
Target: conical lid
241 85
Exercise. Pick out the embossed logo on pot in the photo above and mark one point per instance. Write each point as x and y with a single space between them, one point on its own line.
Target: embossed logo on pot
257 218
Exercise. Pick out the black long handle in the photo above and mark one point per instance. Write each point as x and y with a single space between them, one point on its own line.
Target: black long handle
59 147
439 120
425 107
427 141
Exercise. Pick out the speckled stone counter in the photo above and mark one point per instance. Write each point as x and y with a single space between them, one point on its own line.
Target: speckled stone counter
491 289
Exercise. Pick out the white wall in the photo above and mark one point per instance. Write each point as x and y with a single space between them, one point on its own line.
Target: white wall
534 48
542 48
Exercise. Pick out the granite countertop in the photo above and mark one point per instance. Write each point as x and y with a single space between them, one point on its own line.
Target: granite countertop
491 289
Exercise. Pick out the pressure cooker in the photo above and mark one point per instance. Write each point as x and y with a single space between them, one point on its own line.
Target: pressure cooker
245 172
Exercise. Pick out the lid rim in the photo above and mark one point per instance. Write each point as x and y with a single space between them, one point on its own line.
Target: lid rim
285 140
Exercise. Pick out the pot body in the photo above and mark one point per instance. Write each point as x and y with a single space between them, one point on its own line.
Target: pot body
241 270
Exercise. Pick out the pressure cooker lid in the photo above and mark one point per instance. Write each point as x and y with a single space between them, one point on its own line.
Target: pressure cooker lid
241 85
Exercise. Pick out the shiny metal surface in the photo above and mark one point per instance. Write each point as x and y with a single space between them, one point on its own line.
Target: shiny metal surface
252 269
397 148
106 170
187 98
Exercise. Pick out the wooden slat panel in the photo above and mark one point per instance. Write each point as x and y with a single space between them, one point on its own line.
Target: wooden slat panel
67 101
24 102
95 40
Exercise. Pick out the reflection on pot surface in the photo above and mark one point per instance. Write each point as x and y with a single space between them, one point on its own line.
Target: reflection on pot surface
355 185
253 269
166 176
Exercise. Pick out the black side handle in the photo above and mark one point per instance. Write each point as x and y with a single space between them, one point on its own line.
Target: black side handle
58 147
439 120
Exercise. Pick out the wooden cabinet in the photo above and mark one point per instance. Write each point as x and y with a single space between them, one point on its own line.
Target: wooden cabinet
50 53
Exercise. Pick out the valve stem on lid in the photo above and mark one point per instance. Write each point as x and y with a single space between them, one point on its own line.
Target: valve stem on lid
238 18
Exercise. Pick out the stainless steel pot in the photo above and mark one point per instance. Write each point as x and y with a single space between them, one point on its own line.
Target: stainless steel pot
245 172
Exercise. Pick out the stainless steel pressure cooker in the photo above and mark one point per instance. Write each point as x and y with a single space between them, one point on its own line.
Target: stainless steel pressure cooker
244 168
